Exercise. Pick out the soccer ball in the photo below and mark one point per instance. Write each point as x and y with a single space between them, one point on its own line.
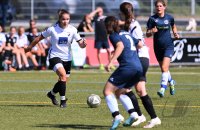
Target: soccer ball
93 100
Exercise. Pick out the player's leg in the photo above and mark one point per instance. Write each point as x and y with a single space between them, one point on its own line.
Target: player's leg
112 104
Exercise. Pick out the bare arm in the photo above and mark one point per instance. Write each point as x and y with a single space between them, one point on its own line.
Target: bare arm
151 32
117 53
33 43
82 43
174 30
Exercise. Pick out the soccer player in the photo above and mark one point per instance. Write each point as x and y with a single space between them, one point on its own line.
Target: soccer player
125 76
159 25
61 36
134 28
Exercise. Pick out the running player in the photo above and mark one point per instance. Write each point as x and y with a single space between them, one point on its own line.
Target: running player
159 25
61 36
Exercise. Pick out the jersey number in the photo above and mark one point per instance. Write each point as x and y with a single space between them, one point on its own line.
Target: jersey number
133 48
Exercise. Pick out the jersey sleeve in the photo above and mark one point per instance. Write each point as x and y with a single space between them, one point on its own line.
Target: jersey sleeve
136 30
172 21
114 39
46 33
150 23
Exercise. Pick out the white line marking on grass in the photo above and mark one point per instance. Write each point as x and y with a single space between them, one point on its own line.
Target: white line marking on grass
78 103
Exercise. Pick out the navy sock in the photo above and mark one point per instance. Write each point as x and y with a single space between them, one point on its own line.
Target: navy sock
134 100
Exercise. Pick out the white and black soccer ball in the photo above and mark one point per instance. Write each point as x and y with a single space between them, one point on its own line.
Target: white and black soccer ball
93 100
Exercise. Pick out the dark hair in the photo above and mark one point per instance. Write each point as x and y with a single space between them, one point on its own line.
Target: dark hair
164 2
61 12
127 9
111 24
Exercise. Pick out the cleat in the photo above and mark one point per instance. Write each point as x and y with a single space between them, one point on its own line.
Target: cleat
172 88
153 122
63 104
161 92
116 122
134 117
140 120
53 98
101 67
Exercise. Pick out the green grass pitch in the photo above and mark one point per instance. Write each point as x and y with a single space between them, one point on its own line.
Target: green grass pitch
24 105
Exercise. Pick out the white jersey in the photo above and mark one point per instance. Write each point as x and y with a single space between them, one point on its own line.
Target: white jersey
22 40
61 40
2 39
136 31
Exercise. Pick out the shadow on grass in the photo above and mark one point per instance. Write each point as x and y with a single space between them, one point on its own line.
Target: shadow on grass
73 126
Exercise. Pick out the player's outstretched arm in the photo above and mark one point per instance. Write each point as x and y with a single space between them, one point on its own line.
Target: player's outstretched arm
33 43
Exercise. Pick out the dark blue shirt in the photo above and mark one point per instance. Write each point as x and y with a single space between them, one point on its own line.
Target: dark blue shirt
129 57
162 38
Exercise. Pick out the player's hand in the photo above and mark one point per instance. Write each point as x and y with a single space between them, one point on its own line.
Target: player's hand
154 30
176 36
108 68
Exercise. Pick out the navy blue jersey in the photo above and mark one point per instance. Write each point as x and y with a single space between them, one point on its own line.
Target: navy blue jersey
162 38
129 57
11 40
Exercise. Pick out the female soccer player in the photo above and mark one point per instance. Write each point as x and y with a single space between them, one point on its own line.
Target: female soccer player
61 34
158 25
134 28
125 76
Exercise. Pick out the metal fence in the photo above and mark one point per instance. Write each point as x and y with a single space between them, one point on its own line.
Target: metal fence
46 9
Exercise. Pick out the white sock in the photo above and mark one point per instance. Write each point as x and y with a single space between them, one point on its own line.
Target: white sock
62 97
164 78
27 65
112 103
126 102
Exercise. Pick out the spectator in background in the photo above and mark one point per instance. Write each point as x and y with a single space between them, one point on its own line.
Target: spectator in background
22 41
2 45
32 24
159 26
2 40
4 4
35 53
101 40
85 25
192 25
11 51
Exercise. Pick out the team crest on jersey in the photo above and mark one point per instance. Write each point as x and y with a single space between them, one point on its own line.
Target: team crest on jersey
166 22
156 20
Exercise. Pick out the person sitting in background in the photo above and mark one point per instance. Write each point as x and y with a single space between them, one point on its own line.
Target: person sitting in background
32 24
2 45
35 53
11 51
21 42
192 25
2 40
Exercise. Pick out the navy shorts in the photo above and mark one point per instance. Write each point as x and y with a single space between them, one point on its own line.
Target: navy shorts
66 64
125 78
145 65
101 44
163 52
